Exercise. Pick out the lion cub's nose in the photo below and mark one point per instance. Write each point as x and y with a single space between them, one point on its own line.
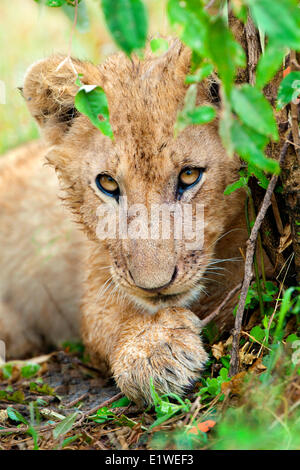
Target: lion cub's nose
160 288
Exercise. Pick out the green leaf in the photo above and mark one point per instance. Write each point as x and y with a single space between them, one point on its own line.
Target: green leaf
44 389
163 408
159 45
280 20
289 89
201 115
55 3
213 386
191 114
202 72
241 183
127 21
291 338
65 425
258 333
125 421
124 401
248 144
58 3
225 361
7 371
225 125
285 306
198 115
271 288
254 110
17 396
103 415
29 370
16 416
33 433
225 52
192 19
224 374
261 177
69 440
268 65
91 101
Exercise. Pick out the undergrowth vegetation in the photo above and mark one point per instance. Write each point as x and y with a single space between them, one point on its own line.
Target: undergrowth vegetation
256 409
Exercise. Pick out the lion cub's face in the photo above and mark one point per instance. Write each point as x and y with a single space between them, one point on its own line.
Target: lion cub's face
144 170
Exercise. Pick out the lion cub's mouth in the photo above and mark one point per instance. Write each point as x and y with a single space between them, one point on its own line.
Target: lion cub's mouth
155 302
160 298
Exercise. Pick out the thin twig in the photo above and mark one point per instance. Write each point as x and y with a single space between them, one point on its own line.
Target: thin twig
68 58
210 4
194 407
72 403
292 143
294 112
73 28
105 403
234 362
295 64
221 306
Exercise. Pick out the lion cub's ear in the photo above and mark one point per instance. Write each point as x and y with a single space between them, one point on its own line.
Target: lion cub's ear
49 90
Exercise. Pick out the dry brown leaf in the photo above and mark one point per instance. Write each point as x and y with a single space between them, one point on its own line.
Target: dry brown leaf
276 213
258 366
234 386
3 416
218 350
285 239
228 341
248 359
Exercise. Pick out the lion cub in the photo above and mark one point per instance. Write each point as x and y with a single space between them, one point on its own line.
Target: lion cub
142 296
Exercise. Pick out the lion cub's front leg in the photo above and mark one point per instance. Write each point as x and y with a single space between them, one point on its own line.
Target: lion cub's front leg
165 346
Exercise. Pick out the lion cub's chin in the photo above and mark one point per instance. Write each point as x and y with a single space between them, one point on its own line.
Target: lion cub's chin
155 303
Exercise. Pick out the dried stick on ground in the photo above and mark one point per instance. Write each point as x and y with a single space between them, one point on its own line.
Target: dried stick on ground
49 427
234 362
294 111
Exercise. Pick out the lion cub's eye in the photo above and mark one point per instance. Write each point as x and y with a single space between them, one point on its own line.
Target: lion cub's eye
108 185
188 178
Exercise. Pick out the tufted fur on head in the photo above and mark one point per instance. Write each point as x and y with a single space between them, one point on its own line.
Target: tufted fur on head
145 159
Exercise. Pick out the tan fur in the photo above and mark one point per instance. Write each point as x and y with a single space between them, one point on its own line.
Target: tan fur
40 280
134 332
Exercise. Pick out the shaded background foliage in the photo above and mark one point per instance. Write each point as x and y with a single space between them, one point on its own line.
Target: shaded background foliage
29 32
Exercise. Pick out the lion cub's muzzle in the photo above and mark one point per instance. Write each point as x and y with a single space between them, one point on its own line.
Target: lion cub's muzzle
158 289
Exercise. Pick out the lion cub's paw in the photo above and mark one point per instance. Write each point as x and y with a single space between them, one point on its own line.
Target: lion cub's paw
168 348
